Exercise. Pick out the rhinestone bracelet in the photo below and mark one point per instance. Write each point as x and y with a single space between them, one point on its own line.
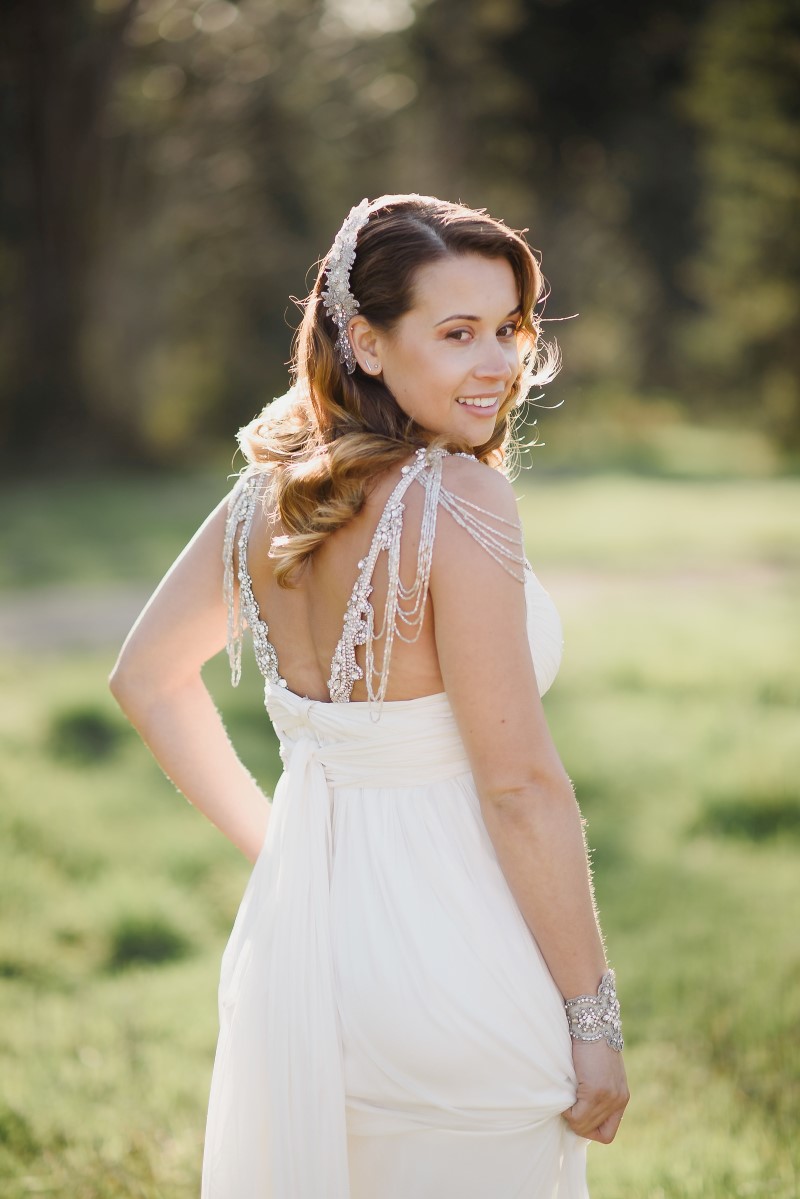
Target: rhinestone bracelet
594 1017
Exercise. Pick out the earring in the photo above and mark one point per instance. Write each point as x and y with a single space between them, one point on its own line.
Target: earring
376 367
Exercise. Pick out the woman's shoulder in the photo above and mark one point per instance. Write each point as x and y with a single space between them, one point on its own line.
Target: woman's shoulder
477 484
478 517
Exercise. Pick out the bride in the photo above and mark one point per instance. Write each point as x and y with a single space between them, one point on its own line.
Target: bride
414 1001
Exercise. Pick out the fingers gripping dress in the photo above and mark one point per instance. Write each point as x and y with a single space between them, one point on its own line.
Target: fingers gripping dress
388 1026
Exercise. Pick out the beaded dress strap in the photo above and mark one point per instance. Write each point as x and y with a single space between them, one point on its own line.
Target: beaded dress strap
241 509
404 609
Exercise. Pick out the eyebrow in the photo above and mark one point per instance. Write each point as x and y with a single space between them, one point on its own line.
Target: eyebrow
465 316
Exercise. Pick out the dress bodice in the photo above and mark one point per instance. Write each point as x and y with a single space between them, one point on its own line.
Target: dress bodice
405 606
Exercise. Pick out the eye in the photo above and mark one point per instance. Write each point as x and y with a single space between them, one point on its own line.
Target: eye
510 329
455 334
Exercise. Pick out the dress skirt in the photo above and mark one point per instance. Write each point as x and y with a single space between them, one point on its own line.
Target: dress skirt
388 1026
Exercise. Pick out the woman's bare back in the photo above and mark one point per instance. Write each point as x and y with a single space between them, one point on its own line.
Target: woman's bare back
306 621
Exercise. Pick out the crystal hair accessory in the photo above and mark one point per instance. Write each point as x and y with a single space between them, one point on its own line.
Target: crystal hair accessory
340 303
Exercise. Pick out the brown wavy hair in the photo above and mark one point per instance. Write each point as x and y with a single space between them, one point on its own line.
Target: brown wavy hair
334 434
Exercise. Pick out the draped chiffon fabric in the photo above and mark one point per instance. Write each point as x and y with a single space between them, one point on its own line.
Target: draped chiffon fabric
388 1026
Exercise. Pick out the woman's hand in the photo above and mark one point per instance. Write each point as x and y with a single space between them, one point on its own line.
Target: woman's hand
602 1091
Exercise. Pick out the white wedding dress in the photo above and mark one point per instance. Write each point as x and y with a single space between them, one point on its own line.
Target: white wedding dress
388 1026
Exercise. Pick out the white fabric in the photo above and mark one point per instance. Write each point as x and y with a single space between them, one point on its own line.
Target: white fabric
388 1027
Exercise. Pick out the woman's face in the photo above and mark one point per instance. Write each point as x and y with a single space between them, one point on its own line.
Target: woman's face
453 358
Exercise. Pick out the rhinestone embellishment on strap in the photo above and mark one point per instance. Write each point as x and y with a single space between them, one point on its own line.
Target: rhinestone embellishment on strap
241 509
405 606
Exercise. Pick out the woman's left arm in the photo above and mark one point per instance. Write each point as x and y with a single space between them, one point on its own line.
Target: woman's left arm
158 684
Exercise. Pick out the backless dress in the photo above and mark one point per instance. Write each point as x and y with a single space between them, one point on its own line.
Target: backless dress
389 1028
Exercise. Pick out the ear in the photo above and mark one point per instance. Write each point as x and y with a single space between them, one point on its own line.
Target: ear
364 340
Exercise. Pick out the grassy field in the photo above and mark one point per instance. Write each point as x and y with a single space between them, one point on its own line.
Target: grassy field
676 713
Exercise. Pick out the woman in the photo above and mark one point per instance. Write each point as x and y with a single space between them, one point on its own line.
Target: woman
414 1000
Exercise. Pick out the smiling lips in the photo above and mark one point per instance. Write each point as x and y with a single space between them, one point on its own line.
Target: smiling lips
478 401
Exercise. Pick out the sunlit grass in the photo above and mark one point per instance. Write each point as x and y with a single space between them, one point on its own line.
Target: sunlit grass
676 713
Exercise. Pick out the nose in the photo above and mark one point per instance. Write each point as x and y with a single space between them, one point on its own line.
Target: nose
497 361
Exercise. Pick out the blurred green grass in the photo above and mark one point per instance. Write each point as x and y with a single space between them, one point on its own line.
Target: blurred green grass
676 713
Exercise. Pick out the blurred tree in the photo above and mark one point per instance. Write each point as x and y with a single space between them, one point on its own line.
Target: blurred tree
744 96
215 163
264 114
58 64
565 111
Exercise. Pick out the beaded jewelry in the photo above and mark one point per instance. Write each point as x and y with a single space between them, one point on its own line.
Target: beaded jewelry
596 1017
241 509
337 298
404 608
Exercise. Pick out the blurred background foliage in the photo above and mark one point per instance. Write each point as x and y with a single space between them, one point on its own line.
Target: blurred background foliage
172 168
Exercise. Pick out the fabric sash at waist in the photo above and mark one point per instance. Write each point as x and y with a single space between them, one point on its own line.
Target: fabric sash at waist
277 1113
414 742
